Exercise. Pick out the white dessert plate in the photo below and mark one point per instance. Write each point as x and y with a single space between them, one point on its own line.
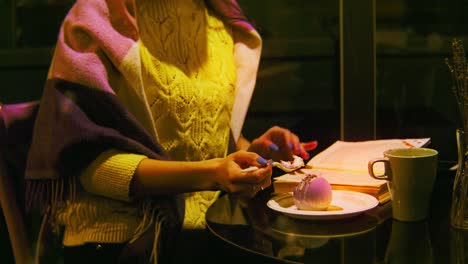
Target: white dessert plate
352 204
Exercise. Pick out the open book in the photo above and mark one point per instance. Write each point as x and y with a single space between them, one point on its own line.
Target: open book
344 165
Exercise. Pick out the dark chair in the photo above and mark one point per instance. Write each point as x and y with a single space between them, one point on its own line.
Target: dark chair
16 124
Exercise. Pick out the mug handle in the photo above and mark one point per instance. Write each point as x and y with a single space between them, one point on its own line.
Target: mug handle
387 175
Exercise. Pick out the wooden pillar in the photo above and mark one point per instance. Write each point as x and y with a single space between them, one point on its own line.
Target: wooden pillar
357 70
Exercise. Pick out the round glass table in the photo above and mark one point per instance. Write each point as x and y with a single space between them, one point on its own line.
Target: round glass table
254 229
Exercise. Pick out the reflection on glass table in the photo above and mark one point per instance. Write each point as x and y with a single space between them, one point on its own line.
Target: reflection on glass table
371 237
254 227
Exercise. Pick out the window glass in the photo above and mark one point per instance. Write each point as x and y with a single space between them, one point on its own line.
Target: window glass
414 96
298 81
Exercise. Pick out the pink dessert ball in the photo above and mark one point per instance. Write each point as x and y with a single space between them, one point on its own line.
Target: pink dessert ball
312 193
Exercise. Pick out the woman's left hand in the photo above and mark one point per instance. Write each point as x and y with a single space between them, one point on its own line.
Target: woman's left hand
278 143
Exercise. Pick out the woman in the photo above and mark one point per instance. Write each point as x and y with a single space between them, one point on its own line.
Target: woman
140 123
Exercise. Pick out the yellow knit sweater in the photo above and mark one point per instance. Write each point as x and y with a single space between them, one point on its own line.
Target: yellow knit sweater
188 74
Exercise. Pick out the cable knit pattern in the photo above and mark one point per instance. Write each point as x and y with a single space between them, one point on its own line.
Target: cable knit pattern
189 87
92 219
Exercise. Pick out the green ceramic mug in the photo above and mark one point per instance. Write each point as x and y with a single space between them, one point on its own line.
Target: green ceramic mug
410 175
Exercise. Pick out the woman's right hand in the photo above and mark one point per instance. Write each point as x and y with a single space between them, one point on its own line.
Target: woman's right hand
230 178
160 177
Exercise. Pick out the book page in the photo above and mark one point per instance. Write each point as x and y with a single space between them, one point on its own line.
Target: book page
335 177
354 156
